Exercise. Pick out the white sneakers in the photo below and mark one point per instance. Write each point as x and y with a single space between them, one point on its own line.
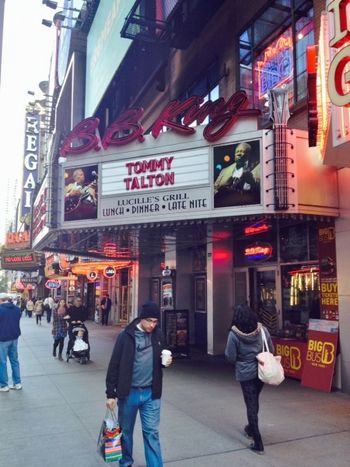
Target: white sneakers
17 386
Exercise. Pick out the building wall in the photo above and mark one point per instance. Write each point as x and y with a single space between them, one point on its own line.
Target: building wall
342 226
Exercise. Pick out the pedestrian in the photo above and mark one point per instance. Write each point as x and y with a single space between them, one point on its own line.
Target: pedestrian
106 305
23 306
76 314
49 304
10 331
38 310
30 307
59 328
243 345
134 377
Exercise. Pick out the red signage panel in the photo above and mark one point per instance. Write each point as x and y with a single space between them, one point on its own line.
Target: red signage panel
293 355
320 360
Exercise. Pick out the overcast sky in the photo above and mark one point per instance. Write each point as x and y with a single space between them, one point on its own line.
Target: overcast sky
27 47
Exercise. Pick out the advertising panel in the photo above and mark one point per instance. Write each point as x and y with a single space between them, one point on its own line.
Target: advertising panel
39 217
320 360
80 193
103 57
328 272
293 355
237 174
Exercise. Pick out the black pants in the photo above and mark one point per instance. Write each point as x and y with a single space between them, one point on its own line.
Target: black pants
58 343
251 390
48 315
105 315
38 319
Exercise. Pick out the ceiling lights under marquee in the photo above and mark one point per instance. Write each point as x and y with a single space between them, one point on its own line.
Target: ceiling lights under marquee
99 266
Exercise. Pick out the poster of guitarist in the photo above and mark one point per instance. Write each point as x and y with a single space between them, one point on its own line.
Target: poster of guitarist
80 198
237 174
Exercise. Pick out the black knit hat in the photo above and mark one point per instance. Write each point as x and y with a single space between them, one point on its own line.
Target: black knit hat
149 310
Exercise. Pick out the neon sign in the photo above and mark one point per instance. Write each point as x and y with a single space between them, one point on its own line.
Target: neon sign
258 252
276 67
338 75
256 229
127 128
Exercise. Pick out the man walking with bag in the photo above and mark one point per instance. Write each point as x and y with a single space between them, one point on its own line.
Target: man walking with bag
134 377
10 315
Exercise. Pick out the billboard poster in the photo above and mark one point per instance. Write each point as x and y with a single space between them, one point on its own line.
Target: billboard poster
80 193
237 174
328 272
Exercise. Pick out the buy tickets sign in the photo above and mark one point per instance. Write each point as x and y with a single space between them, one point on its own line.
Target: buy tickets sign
320 359
293 356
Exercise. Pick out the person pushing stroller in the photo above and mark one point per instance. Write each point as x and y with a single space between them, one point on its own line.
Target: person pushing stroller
76 316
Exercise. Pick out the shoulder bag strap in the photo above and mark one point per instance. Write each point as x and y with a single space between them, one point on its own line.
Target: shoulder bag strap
264 340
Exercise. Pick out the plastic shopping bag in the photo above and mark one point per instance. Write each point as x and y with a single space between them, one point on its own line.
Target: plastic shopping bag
109 440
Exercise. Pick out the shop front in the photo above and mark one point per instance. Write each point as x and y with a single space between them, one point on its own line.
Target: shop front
204 217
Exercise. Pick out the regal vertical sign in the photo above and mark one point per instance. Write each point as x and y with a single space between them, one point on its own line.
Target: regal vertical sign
30 165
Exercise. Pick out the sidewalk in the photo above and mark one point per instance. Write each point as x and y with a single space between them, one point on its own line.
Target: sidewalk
54 421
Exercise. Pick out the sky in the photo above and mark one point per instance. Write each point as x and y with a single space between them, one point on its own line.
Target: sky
27 48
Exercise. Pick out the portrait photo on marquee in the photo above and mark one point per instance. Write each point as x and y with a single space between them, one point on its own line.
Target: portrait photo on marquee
80 193
237 174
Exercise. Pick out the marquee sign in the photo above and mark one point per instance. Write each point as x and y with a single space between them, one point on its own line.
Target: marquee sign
18 260
30 168
127 128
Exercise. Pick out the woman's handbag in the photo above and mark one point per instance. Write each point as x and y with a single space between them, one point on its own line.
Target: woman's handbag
270 370
109 443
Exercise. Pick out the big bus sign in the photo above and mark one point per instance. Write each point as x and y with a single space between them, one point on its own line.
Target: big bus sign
177 116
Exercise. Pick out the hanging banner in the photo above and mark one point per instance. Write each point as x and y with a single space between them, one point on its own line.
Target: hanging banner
328 272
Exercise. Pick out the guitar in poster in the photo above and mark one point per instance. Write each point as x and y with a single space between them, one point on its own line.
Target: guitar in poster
80 198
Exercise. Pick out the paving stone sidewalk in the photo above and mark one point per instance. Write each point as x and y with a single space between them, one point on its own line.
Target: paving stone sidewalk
54 421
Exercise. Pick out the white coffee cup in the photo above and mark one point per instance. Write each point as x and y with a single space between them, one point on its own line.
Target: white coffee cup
166 354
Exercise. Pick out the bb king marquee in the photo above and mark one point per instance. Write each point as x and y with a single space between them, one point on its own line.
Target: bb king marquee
127 128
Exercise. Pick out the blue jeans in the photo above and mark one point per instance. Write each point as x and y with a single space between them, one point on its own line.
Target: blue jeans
9 349
140 400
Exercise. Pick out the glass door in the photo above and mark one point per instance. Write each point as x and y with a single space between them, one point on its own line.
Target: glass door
267 297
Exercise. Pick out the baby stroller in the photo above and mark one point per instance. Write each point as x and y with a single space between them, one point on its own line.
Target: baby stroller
78 344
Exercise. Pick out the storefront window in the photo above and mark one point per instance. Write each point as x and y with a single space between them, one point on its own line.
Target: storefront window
255 244
272 56
300 298
207 86
294 243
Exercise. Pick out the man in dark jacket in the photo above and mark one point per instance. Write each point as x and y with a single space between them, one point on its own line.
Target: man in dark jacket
106 305
10 315
134 376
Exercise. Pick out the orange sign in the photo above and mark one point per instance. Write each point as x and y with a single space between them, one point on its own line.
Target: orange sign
17 239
